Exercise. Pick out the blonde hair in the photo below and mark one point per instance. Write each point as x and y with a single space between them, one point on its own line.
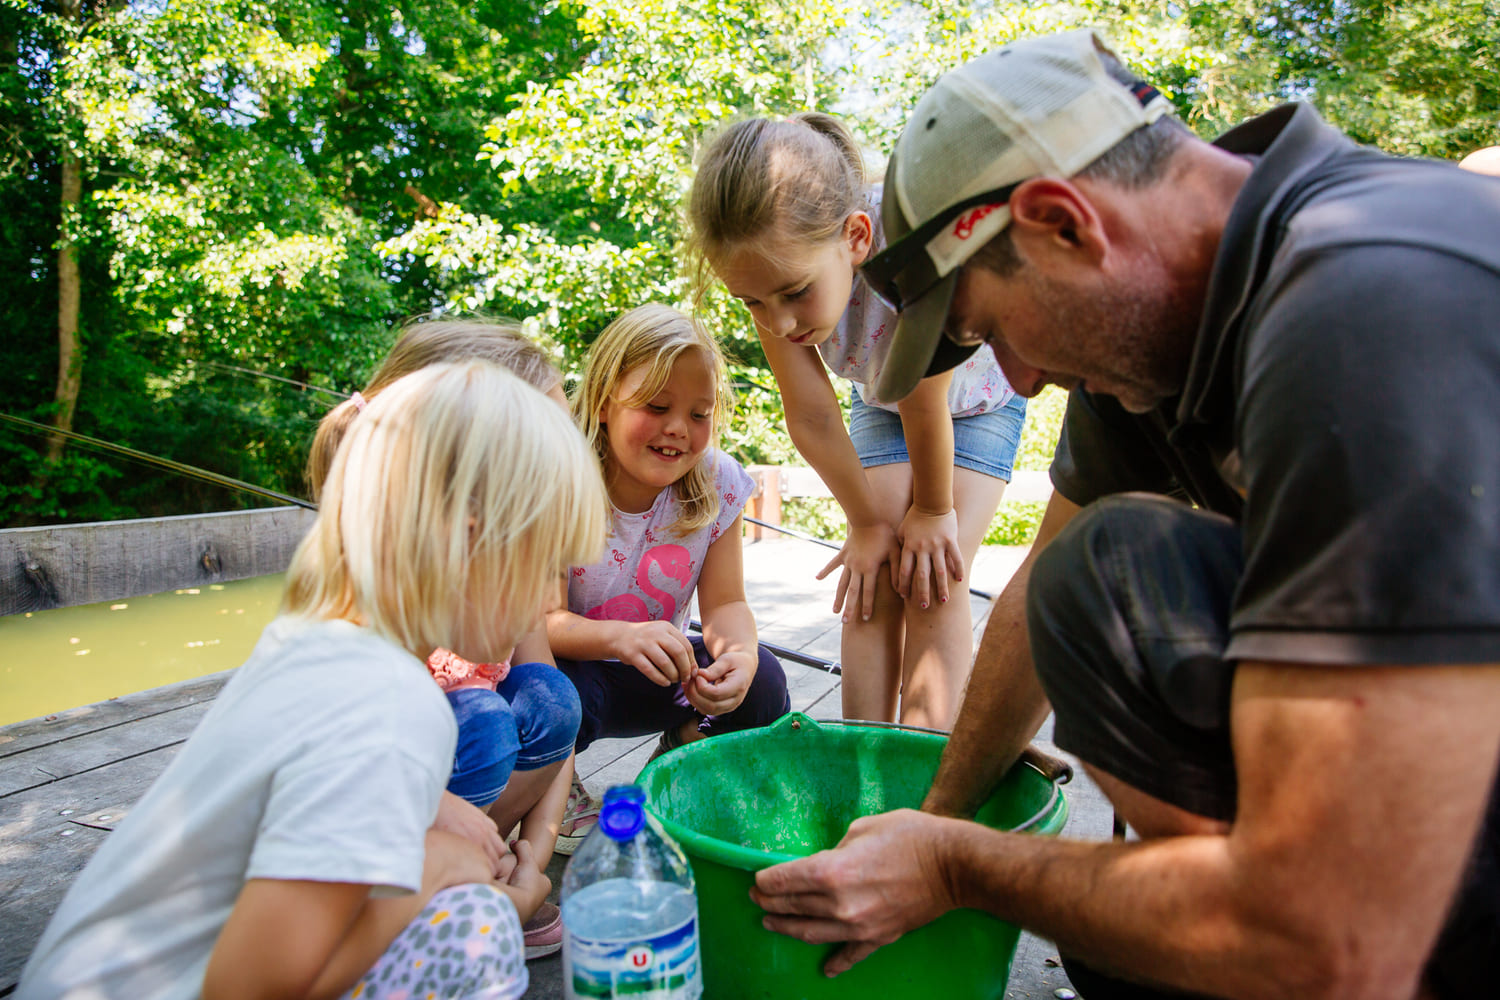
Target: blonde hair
459 485
654 336
429 342
798 178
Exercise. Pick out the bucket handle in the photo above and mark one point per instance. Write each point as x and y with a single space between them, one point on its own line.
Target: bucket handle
1054 769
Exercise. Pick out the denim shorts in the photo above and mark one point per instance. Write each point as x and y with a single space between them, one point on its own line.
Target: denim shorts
529 722
985 443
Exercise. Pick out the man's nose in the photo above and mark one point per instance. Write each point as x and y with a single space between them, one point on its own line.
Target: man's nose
1026 380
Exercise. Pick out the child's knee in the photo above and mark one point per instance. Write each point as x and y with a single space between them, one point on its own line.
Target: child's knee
769 690
467 941
488 745
548 713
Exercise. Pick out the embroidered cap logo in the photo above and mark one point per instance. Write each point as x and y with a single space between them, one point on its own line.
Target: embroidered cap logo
964 227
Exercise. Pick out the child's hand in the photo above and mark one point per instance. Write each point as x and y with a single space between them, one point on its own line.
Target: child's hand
455 815
930 555
454 860
526 886
867 548
659 650
722 685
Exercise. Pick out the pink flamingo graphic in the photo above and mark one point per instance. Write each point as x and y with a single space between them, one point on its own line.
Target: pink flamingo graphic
673 560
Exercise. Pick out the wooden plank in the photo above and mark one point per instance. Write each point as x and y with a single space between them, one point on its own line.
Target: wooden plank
63 565
42 848
48 729
55 762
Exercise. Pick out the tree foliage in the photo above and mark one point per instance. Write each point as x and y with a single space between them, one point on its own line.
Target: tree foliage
271 186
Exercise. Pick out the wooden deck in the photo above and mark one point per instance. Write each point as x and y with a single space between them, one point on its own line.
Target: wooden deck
65 780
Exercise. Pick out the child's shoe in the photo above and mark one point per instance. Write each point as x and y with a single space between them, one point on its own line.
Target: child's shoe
543 932
578 819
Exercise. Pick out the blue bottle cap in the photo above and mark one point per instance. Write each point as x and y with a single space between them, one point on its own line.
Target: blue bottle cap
623 813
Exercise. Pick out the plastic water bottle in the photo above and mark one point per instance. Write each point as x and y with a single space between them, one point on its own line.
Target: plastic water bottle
629 911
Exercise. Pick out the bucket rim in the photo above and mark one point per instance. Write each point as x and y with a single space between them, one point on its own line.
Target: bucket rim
749 859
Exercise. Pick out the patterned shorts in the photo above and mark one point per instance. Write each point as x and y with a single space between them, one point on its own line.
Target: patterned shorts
465 943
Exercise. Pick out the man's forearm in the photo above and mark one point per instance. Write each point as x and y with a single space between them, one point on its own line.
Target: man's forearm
1165 912
1002 709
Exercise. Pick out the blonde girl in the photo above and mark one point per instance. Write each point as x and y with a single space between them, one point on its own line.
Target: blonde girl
782 215
517 719
288 850
650 403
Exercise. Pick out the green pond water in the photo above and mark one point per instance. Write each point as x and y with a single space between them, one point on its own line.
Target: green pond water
59 659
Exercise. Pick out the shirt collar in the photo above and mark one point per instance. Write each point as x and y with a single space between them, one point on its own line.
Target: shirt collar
1289 142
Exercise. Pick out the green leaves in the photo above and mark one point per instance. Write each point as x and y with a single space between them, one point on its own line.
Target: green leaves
275 185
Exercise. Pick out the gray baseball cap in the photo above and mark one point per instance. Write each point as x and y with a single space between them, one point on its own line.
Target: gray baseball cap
1044 106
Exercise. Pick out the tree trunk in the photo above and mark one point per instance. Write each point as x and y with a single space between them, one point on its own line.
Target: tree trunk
69 349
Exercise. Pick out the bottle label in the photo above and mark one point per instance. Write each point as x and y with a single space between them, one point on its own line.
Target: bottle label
663 967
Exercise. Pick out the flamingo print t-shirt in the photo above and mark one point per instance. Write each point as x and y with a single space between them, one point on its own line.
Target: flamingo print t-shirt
649 572
859 345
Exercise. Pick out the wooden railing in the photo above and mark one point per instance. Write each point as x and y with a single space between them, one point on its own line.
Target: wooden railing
63 565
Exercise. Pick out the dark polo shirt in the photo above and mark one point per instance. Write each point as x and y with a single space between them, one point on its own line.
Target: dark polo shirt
1343 405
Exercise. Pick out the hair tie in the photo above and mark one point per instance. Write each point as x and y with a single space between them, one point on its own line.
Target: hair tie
358 401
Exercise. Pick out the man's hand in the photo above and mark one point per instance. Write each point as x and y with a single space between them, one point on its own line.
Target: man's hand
930 555
722 685
865 551
883 879
659 650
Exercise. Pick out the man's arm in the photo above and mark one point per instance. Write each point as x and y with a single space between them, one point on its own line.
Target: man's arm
1332 882
1003 704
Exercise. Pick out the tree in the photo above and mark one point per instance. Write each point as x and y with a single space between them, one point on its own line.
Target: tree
236 163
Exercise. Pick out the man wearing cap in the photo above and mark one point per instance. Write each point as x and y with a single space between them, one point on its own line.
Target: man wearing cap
1264 602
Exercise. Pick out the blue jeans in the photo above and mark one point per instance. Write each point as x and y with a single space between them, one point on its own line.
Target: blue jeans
529 722
985 443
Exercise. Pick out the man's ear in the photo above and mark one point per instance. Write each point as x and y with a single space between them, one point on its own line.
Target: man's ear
1051 214
859 231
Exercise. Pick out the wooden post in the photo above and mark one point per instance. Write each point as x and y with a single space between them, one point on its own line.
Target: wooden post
765 502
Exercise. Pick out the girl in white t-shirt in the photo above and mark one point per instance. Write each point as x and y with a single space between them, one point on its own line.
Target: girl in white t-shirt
517 719
782 216
289 850
652 395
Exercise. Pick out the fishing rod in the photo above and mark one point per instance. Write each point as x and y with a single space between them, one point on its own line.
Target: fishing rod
797 656
219 366
180 468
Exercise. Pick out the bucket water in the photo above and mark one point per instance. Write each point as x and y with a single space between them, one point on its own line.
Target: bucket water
741 802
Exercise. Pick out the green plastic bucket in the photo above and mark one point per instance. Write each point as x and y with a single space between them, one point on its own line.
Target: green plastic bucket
741 802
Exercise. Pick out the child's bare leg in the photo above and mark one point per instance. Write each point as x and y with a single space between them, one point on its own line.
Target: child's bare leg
939 651
540 825
524 791
870 652
938 648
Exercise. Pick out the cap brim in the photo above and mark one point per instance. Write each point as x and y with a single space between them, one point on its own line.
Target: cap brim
918 347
